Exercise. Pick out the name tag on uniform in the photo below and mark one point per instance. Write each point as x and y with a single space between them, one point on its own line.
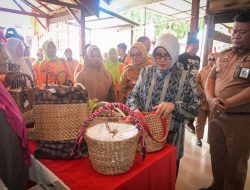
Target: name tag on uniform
244 73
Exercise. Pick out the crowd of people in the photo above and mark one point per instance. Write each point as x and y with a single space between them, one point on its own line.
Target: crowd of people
165 82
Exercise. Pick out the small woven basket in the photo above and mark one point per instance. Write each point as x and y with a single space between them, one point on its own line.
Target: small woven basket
28 117
159 130
109 157
15 82
21 96
58 122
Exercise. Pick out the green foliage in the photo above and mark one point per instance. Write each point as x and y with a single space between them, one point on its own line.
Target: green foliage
180 28
91 104
160 22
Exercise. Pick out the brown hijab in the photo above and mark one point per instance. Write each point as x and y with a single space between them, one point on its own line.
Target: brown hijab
143 51
96 79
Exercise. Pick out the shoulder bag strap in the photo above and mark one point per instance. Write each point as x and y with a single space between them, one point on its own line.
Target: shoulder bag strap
181 84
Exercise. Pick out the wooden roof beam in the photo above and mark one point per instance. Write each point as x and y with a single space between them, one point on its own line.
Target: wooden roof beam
33 7
30 5
21 12
60 3
118 16
20 7
73 15
45 6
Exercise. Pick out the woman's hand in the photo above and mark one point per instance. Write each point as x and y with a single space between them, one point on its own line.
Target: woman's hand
164 108
136 110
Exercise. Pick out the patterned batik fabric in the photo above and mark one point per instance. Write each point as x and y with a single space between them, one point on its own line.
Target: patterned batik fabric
186 107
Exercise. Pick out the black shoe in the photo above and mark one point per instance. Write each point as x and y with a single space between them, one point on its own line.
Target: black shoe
207 188
191 127
199 143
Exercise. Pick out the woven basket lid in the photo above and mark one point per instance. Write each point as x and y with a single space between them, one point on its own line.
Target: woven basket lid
119 131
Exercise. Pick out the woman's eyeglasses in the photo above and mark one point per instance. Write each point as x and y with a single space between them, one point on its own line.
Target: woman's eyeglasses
211 59
165 56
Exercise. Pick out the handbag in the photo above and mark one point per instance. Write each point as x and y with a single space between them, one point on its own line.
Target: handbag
58 112
59 150
16 84
58 93
155 129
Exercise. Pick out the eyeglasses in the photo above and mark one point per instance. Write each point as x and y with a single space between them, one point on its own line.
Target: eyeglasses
159 56
211 59
234 31
135 54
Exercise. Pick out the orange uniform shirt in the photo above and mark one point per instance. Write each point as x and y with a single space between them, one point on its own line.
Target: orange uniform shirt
55 67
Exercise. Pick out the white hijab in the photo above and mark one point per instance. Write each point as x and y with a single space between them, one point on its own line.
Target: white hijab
12 45
171 44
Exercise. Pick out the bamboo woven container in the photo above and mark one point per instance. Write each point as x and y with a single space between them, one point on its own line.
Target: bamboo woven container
28 117
58 122
112 157
156 127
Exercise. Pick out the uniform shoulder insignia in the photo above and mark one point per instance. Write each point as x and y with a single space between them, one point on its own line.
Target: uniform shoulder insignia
226 49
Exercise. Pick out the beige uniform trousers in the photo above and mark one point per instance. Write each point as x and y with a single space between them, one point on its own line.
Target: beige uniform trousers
229 137
200 123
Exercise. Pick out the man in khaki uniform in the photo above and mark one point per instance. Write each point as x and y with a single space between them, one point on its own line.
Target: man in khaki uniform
228 94
204 111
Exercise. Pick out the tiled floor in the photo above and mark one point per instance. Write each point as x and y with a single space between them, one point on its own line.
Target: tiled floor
195 168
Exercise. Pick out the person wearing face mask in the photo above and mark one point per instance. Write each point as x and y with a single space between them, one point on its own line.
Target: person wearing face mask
114 67
52 63
131 72
166 87
17 62
204 112
191 63
3 62
95 78
227 91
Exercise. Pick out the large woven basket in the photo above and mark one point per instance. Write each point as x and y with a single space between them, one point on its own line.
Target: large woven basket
113 115
112 157
109 157
58 122
159 129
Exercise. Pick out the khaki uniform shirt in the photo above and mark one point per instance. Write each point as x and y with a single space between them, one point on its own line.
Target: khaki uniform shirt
232 74
127 83
201 79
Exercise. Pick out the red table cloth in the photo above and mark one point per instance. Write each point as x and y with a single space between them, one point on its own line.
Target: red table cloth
156 172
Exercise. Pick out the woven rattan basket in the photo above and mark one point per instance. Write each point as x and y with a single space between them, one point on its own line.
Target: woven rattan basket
57 122
159 130
109 157
112 157
28 117
23 95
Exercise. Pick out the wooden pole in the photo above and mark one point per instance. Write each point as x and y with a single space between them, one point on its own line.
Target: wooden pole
144 22
194 19
131 35
47 23
82 32
209 38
